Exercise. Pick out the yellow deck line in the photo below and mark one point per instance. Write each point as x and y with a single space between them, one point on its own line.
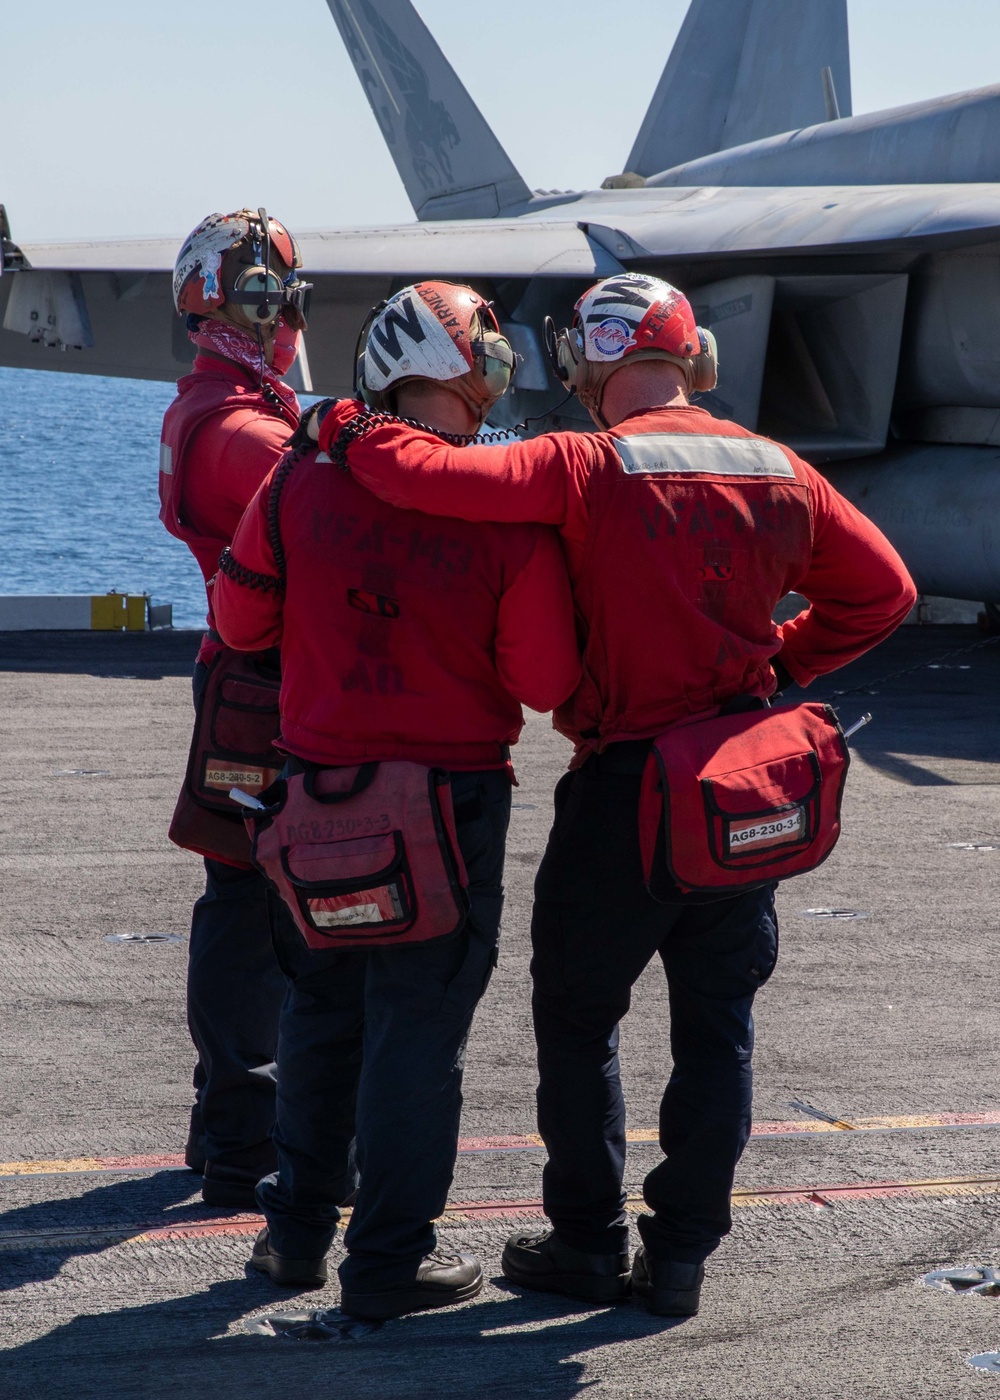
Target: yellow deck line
67 1164
989 1118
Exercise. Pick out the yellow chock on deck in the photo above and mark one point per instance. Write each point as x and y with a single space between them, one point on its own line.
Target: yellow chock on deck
117 612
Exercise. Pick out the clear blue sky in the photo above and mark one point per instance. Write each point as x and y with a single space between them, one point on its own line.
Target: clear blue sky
138 118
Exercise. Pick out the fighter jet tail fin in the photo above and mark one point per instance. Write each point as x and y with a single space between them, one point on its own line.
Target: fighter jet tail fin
741 70
451 163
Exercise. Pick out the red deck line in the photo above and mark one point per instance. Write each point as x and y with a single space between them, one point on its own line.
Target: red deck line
247 1225
204 1229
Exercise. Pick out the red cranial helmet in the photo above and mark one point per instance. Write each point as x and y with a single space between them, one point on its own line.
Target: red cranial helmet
434 330
627 317
198 279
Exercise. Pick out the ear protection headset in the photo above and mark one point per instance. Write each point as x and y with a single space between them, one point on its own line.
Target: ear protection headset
259 292
496 362
377 399
587 377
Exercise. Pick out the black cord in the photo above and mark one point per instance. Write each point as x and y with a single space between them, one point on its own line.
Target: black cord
284 471
370 419
260 351
250 578
520 427
868 687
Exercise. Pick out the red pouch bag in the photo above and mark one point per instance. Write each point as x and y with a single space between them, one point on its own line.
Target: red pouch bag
743 799
232 745
364 857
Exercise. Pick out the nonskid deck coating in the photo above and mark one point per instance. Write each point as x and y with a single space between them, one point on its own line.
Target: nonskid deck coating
531 1142
814 1295
458 1212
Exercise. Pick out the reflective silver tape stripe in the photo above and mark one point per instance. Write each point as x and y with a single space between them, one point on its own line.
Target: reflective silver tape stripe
322 457
702 453
166 459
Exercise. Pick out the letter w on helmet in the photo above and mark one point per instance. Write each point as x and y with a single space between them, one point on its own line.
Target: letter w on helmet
439 331
626 318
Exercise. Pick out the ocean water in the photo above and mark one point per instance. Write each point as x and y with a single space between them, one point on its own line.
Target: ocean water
79 457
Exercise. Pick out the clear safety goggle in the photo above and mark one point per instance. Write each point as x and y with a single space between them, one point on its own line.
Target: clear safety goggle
499 361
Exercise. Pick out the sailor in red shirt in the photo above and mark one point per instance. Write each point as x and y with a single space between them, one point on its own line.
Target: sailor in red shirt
403 637
237 283
682 532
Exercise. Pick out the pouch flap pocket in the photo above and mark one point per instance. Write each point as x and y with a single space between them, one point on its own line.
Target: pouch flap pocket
747 798
244 729
781 782
250 695
343 863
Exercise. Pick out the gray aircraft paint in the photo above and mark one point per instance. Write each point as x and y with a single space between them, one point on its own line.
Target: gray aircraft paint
741 70
899 222
949 139
449 160
807 253
940 506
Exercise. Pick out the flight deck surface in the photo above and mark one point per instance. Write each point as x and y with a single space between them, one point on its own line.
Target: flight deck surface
881 1028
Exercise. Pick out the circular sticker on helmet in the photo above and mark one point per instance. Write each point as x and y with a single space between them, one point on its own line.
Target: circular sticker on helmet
612 337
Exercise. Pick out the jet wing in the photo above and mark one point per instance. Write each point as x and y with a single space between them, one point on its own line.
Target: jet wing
712 222
483 247
105 307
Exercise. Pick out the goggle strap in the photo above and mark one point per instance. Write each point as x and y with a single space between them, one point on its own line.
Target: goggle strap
497 349
276 290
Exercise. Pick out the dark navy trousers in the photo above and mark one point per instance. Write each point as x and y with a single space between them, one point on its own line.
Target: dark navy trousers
594 930
235 990
373 1041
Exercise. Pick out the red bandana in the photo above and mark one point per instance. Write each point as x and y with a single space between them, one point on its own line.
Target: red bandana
234 344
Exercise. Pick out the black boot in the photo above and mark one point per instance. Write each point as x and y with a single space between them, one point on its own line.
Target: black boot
194 1152
228 1189
543 1262
290 1273
670 1288
440 1280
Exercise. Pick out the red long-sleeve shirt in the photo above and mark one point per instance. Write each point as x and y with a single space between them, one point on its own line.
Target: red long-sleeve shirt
230 437
401 635
676 568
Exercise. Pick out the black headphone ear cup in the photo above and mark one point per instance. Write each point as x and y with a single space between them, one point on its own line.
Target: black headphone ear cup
360 387
266 296
550 340
568 360
368 396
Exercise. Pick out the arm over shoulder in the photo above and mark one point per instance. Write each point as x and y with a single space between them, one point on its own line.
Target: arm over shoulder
542 479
